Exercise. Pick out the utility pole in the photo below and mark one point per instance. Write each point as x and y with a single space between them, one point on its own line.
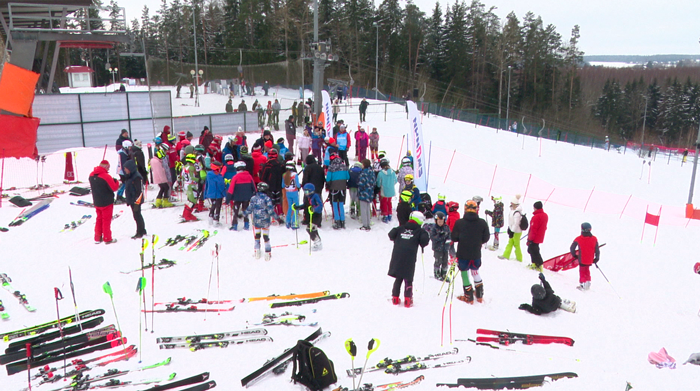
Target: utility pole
319 66
508 101
196 65
644 123
376 66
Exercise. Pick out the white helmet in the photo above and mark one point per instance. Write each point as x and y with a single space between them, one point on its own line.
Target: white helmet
417 217
239 165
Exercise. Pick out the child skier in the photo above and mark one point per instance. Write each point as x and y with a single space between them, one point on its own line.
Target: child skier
190 179
514 231
315 208
496 220
440 205
353 184
263 212
545 301
406 240
290 183
442 245
405 170
386 181
470 233
403 209
452 214
589 253
374 143
336 184
240 191
215 191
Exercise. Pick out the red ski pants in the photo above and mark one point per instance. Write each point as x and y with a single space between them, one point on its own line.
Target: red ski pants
584 273
385 205
103 223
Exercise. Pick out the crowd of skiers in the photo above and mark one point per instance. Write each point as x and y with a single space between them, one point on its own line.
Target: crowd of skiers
262 185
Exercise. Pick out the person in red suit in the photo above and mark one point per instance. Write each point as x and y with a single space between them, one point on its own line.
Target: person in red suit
588 254
538 226
103 187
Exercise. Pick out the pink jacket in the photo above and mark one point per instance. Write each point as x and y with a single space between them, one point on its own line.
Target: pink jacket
158 171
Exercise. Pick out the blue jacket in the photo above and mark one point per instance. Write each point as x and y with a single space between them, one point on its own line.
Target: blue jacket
262 210
337 176
354 177
282 149
214 187
365 185
343 141
230 171
386 179
314 203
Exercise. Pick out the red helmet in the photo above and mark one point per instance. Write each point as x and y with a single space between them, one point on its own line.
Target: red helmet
452 206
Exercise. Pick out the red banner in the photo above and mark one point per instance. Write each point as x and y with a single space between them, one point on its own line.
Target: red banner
18 136
69 175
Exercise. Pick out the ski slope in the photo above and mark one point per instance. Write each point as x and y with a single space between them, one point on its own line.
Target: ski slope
651 302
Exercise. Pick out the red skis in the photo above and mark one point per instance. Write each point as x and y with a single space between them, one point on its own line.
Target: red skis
507 338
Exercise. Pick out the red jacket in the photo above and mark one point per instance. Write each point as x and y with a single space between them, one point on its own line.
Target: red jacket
259 160
452 218
538 226
588 248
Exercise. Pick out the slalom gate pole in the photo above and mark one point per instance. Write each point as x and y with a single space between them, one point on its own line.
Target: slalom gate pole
370 349
452 295
211 272
606 279
154 240
144 245
72 290
28 347
217 246
107 288
59 296
398 161
351 348
140 286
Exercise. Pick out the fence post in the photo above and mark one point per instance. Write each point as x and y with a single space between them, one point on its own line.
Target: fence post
245 122
385 104
128 111
82 129
211 128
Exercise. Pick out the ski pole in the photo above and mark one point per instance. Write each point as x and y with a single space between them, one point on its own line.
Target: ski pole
107 288
422 249
606 279
140 286
352 351
370 349
72 290
311 226
211 272
144 245
154 240
59 296
217 246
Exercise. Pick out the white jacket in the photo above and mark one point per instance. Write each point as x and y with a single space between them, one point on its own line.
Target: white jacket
514 219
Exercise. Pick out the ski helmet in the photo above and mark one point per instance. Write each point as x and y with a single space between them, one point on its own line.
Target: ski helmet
381 154
452 206
441 197
406 195
417 217
538 292
291 166
496 198
158 140
289 155
239 166
408 178
244 150
272 153
586 227
309 188
228 157
215 166
126 144
477 199
164 147
405 162
384 163
439 215
358 165
470 206
199 148
263 187
190 158
160 153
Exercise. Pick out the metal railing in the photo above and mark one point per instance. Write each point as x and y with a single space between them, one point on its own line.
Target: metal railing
59 15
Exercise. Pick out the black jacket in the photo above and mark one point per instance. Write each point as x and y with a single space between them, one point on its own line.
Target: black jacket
403 212
470 232
271 174
140 162
133 186
406 240
313 173
249 163
289 127
120 140
550 303
102 191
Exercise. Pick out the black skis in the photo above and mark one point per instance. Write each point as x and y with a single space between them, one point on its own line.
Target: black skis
38 329
510 383
310 301
184 382
20 345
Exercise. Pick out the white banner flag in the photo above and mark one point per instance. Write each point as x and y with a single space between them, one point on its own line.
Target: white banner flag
326 110
418 148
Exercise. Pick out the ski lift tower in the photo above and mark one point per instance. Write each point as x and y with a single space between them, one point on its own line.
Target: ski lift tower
321 52
29 28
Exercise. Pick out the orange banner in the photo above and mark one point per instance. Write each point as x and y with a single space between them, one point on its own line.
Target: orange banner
17 87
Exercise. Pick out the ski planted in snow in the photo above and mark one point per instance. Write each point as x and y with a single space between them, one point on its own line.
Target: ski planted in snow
290 296
6 280
511 383
507 338
279 360
309 301
195 346
383 364
214 337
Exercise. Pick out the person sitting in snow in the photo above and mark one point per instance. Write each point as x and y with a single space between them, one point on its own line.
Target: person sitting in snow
545 301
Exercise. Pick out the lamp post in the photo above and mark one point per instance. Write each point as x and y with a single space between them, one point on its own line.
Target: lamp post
508 100
195 80
197 71
113 71
376 64
644 123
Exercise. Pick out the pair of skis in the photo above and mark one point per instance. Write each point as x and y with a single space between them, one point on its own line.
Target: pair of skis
286 319
195 346
507 338
33 211
385 387
516 382
193 381
310 301
6 280
389 365
290 296
38 329
75 224
162 264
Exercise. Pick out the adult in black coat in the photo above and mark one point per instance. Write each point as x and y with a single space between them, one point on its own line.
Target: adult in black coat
124 135
470 232
140 159
544 300
402 267
133 192
314 174
271 173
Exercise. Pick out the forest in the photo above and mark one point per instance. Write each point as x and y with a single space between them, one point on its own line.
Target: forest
460 54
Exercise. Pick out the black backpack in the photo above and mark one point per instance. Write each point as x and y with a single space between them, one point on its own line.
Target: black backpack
523 222
312 367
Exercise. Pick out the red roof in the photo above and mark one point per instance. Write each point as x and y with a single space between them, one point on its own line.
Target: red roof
77 69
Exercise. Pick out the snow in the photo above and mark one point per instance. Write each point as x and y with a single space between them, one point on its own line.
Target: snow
614 64
657 304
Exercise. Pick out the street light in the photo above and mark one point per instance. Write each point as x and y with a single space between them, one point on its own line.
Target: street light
195 79
113 71
376 64
508 101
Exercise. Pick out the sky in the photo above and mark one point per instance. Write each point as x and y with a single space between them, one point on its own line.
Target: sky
607 27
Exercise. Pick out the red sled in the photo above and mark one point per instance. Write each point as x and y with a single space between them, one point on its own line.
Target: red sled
562 262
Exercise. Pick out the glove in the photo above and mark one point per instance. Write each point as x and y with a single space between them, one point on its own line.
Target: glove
510 233
524 307
542 277
529 242
488 212
595 260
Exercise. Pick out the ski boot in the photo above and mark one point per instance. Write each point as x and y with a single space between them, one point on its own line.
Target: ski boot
502 257
342 224
187 214
258 253
468 295
479 290
246 226
268 255
165 203
336 224
234 227
395 300
437 272
568 305
408 302
584 286
352 212
158 203
317 245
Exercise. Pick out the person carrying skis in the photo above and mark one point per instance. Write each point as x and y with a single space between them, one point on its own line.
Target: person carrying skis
588 254
442 245
496 220
535 237
545 301
215 191
290 183
240 191
365 193
103 187
514 231
263 212
133 191
314 205
336 184
402 267
470 233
